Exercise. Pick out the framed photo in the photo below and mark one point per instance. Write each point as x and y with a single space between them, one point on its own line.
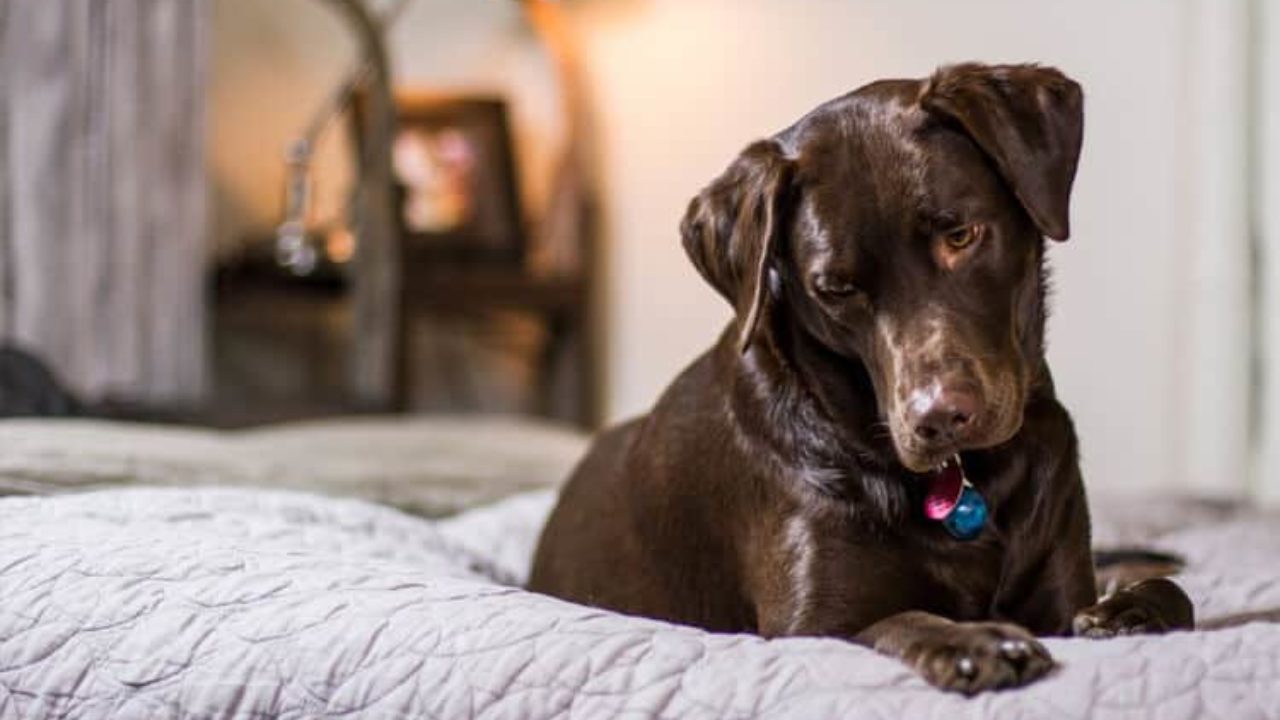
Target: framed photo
455 171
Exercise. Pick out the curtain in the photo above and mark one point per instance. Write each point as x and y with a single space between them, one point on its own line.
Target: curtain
103 192
1265 187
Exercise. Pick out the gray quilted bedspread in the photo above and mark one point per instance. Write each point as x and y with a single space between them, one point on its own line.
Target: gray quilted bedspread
204 603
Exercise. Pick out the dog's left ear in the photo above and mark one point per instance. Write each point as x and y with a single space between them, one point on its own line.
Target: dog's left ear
1029 120
730 230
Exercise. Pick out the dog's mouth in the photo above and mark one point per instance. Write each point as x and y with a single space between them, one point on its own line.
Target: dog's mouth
927 457
926 460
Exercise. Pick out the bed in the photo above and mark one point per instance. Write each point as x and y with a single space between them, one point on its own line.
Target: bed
196 574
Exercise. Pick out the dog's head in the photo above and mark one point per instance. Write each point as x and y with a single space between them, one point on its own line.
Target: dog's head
902 225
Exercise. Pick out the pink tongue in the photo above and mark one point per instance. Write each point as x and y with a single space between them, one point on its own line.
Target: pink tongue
944 492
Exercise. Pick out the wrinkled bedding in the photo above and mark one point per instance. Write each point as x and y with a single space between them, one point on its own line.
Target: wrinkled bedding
217 602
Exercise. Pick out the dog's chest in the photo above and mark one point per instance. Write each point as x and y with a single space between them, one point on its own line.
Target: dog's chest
921 568
962 577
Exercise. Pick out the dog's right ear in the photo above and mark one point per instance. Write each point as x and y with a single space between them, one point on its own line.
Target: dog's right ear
730 230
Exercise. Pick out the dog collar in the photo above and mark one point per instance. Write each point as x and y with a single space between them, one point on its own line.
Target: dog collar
952 500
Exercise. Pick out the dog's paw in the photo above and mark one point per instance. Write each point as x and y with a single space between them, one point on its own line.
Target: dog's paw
1150 607
972 657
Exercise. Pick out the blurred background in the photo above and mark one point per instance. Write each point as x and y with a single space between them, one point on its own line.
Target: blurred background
236 212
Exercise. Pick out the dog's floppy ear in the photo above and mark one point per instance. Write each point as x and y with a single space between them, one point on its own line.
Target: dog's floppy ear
731 227
1029 120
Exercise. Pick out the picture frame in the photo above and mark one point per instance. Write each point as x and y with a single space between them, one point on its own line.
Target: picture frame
457 187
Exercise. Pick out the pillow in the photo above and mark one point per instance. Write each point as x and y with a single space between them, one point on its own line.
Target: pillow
433 466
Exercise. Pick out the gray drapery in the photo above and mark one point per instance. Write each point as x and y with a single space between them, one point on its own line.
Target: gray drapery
103 192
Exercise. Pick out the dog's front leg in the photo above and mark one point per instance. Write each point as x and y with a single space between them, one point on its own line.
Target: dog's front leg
828 599
966 657
1151 606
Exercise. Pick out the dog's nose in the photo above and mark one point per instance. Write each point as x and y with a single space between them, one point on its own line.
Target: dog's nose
941 415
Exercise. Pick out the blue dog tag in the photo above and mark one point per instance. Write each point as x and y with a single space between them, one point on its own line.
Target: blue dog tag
966 519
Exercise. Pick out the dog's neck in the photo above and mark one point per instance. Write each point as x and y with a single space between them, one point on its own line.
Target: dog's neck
843 411
833 438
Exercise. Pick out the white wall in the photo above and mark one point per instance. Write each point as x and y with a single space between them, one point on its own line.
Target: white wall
273 64
1157 386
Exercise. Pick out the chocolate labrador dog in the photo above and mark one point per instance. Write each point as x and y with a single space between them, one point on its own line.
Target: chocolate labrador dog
873 449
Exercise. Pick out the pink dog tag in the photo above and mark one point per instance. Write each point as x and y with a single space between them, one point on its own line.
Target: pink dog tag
944 491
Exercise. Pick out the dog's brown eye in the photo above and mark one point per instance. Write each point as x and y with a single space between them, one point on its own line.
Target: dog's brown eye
963 236
837 289
828 285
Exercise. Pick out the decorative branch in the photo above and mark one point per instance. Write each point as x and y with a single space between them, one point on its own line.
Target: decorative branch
376 282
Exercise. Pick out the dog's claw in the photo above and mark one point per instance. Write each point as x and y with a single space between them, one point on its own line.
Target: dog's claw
1107 625
1015 649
